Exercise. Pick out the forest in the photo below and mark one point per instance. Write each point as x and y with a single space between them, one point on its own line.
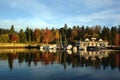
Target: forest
64 35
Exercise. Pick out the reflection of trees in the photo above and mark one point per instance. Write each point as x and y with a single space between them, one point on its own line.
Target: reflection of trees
46 58
60 57
36 58
118 60
11 57
105 62
63 60
119 67
10 61
75 60
3 56
21 58
29 58
112 61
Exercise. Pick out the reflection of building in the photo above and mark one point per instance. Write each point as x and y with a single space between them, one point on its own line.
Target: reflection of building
94 54
117 40
93 43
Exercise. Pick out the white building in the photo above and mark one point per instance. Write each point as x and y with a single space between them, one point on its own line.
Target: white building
93 43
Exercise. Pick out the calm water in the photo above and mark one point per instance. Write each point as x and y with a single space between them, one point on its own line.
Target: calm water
60 65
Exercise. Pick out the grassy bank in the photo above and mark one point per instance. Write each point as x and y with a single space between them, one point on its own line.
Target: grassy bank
16 45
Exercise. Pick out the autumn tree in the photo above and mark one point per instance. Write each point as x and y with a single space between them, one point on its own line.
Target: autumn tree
57 36
37 35
53 30
47 36
14 38
74 35
4 38
63 35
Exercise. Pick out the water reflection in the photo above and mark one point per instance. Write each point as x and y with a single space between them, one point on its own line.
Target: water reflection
98 60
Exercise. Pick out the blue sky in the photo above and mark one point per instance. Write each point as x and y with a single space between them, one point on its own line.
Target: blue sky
55 13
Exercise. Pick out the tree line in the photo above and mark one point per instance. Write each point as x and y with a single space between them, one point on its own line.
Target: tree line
64 35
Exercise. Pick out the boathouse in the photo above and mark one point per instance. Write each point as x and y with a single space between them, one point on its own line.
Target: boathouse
93 43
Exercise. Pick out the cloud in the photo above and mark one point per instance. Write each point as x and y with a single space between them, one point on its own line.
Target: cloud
96 4
54 13
105 18
33 7
22 23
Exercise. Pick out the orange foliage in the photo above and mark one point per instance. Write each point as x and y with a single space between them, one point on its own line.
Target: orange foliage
37 35
14 38
47 36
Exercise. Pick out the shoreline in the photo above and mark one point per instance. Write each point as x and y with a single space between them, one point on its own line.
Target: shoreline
36 46
16 45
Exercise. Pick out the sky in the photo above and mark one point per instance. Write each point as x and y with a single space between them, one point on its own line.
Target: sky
56 13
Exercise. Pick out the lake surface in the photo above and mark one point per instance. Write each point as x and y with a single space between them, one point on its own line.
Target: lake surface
61 65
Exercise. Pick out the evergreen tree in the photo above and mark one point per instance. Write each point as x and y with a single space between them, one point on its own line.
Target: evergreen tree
28 34
113 34
12 31
88 32
82 33
119 29
22 36
65 34
96 31
106 34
